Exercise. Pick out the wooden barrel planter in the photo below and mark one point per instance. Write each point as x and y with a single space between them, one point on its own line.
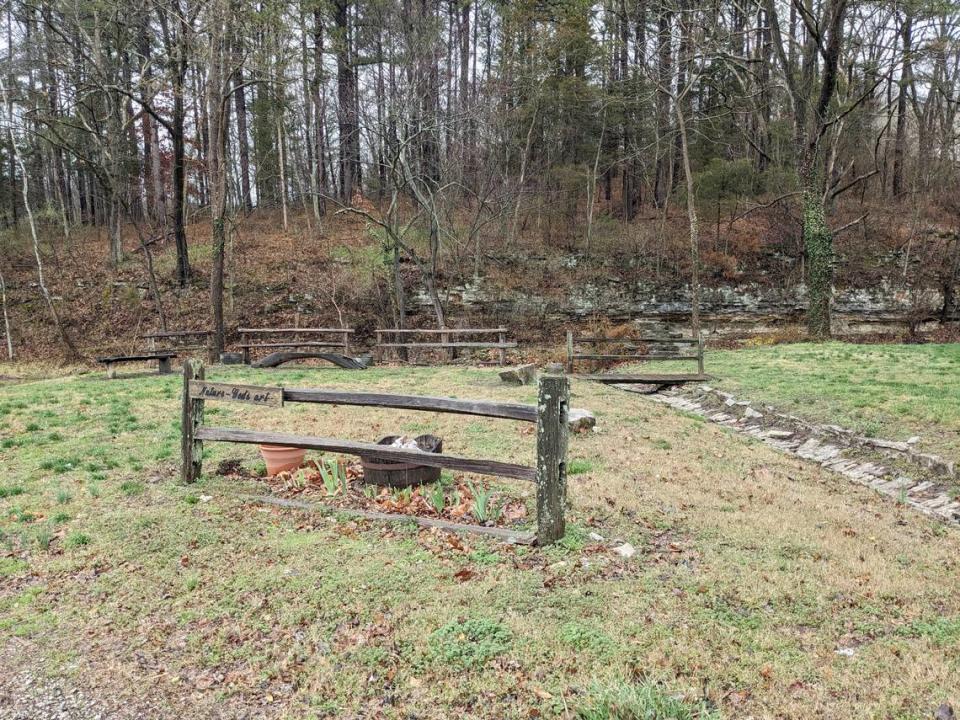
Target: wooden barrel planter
377 471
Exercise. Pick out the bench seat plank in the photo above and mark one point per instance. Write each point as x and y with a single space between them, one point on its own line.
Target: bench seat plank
644 379
661 340
633 357
344 331
450 345
177 333
447 331
137 358
292 344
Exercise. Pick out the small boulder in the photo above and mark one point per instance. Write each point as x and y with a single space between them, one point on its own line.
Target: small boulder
520 375
580 420
626 550
944 712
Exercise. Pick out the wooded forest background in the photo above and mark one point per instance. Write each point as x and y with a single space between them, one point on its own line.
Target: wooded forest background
418 143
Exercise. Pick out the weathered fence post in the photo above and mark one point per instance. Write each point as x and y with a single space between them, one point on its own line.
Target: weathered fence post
552 405
502 339
570 352
700 353
190 420
445 340
245 339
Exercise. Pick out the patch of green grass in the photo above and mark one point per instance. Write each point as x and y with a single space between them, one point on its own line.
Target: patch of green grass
131 488
11 566
584 637
888 391
60 465
11 490
482 556
77 539
578 466
629 701
941 631
469 643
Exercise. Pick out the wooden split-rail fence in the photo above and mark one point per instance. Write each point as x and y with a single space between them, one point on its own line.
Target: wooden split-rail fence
450 339
550 415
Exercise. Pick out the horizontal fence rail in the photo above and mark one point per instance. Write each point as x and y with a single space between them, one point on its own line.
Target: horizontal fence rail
384 452
550 415
507 411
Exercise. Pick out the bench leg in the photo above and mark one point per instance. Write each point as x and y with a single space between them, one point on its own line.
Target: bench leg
164 366
111 371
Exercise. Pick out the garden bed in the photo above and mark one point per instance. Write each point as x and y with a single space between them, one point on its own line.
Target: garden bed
339 485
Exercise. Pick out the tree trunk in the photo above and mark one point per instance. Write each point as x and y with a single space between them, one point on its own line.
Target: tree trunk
243 141
6 317
216 111
662 170
179 152
818 245
346 104
906 34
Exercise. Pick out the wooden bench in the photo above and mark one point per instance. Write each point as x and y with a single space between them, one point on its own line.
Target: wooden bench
550 416
181 340
291 338
638 349
445 341
163 364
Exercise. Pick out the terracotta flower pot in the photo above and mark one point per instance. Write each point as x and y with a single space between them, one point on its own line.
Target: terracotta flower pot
281 457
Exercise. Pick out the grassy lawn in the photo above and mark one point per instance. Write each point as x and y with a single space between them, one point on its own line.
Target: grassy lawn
761 586
888 391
